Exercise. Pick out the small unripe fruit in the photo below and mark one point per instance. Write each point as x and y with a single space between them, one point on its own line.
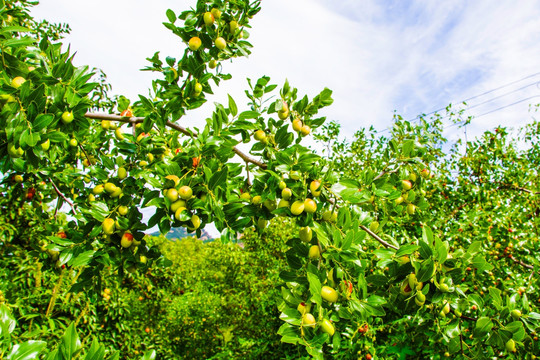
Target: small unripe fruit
286 193
108 226
262 223
233 25
516 314
406 184
305 130
178 204
119 134
256 200
122 173
73 143
185 192
245 197
327 327
303 308
174 178
399 200
220 43
260 135
297 125
123 210
18 179
446 308
374 226
511 345
216 13
208 18
126 240
197 89
284 112
305 234
315 188
110 187
98 189
294 175
17 82
329 216
297 207
308 320
212 64
310 206
270 205
444 287
172 195
67 117
283 203
314 252
329 294
282 185
194 43
105 124
116 193
411 208
46 145
195 221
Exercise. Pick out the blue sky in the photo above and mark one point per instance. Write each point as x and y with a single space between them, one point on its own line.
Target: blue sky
378 57
411 57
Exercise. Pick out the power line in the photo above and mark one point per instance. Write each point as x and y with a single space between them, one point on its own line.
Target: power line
484 93
537 83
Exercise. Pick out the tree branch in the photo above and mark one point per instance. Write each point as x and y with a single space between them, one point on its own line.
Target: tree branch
378 238
183 130
517 261
62 195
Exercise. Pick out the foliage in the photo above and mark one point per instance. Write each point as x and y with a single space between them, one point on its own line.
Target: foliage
393 242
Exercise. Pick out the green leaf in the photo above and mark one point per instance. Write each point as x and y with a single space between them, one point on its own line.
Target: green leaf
70 343
28 350
171 16
315 287
426 270
291 316
232 106
483 327
42 121
7 321
96 351
219 179
149 355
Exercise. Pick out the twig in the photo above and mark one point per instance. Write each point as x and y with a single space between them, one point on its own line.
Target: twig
517 261
376 237
86 154
62 196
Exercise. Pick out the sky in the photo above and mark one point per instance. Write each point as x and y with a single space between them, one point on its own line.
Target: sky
379 57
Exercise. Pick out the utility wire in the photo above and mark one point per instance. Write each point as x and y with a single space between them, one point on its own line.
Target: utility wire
537 83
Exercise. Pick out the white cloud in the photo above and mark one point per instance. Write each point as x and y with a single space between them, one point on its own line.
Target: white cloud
378 57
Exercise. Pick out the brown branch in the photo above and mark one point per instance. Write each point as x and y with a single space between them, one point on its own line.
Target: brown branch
514 187
517 261
183 130
62 196
377 237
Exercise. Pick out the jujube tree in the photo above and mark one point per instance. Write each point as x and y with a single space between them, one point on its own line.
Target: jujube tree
370 251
